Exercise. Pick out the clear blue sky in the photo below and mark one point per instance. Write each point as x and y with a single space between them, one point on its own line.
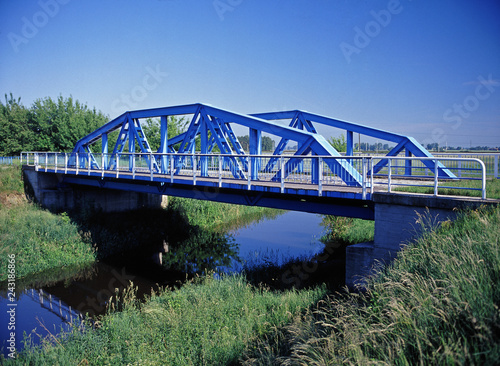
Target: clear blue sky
429 69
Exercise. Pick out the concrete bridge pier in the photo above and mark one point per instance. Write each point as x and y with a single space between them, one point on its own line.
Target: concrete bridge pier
399 219
51 193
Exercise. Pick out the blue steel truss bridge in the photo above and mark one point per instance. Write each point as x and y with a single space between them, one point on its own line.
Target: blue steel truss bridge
207 161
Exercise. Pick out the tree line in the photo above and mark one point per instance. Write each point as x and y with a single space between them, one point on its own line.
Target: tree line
47 125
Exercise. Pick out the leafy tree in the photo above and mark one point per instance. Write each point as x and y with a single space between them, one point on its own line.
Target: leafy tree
244 142
267 143
15 132
338 143
59 124
152 130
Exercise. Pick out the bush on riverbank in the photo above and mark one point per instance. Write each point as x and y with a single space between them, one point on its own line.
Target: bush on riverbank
205 322
436 304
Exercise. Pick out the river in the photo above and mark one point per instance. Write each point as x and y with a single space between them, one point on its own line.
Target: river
49 306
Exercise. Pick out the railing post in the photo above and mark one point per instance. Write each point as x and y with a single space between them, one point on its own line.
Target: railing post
371 174
193 163
133 165
102 165
483 181
46 161
220 170
55 162
88 163
460 166
496 166
249 174
436 173
77 163
65 163
282 175
117 165
363 177
320 176
151 165
389 174
36 161
171 168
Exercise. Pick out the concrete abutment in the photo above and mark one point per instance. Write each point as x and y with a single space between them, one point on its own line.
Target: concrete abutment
50 192
399 218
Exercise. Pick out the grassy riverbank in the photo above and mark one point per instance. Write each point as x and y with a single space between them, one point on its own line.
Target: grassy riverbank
40 240
45 241
436 304
205 322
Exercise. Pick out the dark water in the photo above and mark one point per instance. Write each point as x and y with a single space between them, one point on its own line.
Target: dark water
46 309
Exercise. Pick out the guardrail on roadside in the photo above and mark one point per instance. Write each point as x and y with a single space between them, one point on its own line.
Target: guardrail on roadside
319 172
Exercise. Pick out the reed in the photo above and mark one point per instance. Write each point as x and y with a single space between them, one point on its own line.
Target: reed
436 304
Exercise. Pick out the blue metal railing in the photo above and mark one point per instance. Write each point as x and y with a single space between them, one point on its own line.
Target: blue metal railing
316 172
9 160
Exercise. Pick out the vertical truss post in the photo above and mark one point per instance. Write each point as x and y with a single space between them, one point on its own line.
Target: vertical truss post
408 162
255 148
104 150
131 144
204 148
350 145
314 171
164 143
220 170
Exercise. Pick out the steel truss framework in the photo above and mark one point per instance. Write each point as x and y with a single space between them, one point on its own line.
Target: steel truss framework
212 126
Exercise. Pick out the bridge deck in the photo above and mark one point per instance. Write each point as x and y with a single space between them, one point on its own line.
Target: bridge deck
289 187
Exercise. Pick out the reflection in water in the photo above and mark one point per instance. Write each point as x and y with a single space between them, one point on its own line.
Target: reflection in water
46 302
290 235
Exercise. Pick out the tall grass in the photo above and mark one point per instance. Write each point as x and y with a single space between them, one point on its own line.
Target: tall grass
346 230
206 322
10 179
438 303
40 240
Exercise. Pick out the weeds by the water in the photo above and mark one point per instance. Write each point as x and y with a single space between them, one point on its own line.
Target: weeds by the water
40 241
206 322
436 304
